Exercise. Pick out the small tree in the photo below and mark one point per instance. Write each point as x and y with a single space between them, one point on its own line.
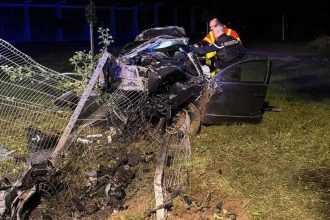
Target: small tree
84 64
92 19
105 38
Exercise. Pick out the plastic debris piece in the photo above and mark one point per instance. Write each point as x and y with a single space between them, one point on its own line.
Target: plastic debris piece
5 154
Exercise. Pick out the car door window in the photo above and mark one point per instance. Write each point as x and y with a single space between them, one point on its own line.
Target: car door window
251 71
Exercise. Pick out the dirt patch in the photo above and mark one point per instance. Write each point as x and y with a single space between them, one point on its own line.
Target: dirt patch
206 215
238 207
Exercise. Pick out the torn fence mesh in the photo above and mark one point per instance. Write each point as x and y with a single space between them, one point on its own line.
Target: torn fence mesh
34 112
34 109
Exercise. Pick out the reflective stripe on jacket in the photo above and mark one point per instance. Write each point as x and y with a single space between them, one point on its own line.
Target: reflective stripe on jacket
228 49
210 39
231 32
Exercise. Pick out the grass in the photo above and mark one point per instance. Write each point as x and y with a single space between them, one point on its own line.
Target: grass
14 135
279 169
271 163
282 166
15 118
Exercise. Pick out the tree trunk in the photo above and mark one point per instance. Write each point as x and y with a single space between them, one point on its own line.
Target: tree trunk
91 37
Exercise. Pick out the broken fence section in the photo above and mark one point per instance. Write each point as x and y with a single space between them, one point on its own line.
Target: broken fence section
95 149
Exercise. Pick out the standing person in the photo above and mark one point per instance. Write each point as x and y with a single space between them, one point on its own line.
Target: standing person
227 48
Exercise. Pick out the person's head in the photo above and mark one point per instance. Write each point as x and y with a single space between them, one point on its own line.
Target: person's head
218 29
213 23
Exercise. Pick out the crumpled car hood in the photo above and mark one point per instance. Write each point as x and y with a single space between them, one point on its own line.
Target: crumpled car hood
152 45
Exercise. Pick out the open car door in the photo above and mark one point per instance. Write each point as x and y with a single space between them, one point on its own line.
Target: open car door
239 93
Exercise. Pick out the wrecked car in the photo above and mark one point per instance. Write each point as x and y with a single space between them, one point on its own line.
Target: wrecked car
153 62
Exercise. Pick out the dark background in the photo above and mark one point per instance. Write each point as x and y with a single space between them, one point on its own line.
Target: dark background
40 20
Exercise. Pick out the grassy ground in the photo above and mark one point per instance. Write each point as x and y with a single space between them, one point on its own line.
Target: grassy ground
279 169
282 166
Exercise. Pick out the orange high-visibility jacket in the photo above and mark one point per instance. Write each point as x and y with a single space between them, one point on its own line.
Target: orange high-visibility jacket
209 38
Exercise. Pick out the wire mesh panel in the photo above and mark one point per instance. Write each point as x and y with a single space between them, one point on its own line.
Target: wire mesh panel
179 154
34 110
98 149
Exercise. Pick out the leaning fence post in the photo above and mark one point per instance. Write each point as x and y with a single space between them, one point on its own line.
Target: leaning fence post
158 179
66 134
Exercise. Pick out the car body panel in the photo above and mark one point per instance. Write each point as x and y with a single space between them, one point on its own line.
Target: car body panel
239 93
